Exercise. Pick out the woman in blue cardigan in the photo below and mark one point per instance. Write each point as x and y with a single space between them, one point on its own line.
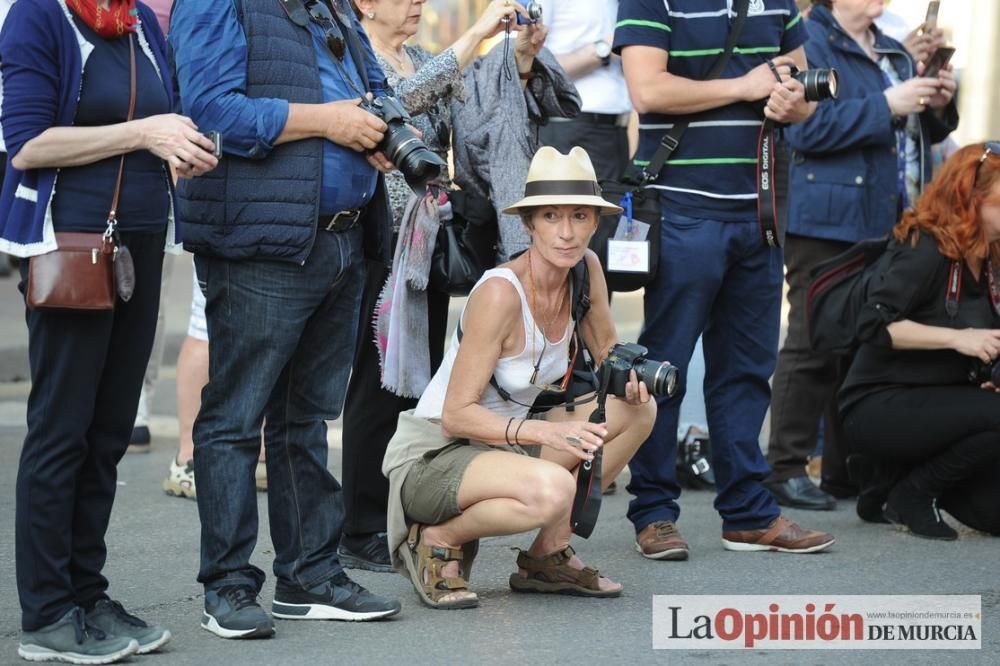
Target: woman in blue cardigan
66 71
857 163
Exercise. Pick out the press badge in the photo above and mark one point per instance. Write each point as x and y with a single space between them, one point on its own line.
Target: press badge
628 251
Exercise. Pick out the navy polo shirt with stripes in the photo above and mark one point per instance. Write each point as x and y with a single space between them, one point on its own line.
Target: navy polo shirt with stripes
713 171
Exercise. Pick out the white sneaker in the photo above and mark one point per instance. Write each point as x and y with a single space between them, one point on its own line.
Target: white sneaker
180 481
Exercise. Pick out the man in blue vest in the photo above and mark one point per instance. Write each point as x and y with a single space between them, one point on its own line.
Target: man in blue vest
717 276
280 232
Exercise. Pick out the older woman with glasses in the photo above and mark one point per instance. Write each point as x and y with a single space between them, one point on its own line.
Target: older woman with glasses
489 114
922 398
457 466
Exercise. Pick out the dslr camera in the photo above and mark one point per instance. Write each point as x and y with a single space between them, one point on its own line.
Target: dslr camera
985 372
820 84
659 376
418 163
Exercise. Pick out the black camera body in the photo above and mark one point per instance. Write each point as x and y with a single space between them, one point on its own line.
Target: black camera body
820 84
985 372
418 163
659 377
534 10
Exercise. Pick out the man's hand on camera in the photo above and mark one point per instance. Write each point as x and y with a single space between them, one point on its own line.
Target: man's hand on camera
380 161
758 83
352 127
787 103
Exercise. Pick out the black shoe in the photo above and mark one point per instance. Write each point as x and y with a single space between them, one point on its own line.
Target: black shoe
918 511
873 484
337 599
370 552
140 440
232 611
801 493
611 489
112 618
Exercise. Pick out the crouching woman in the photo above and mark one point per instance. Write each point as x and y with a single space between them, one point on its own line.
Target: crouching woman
470 463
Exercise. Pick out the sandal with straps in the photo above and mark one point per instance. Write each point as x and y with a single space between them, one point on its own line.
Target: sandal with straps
424 564
553 574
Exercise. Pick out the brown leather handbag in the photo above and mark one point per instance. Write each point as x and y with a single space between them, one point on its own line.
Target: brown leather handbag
80 273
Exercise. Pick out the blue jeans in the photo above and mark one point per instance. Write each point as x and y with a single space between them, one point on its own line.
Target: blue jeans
281 341
719 280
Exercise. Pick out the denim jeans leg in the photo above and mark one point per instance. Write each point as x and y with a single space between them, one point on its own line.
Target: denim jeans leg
677 304
741 347
256 312
305 501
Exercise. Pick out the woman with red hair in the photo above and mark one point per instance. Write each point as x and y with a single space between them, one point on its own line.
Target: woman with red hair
919 398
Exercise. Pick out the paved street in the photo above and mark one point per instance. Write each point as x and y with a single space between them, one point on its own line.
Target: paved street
153 558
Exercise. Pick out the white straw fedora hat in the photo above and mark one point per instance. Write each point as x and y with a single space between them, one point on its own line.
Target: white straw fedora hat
555 179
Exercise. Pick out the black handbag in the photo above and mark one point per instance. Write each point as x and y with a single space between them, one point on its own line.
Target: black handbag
466 244
642 203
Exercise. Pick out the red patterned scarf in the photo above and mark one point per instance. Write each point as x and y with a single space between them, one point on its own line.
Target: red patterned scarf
111 23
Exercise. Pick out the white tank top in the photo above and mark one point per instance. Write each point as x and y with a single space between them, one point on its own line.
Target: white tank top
513 373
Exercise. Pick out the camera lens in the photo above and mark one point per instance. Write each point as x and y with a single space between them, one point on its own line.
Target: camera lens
994 374
534 10
418 163
659 378
820 84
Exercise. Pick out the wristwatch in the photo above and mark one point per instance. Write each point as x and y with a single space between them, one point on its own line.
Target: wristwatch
603 51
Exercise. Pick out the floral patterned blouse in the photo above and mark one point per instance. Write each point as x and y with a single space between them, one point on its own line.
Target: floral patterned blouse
427 95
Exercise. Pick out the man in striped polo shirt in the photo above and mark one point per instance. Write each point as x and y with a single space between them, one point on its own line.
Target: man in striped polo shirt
716 276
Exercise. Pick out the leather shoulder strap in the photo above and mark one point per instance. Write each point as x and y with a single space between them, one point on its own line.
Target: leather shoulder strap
113 213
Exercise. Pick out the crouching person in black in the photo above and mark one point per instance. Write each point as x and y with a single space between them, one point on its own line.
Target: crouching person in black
457 465
919 399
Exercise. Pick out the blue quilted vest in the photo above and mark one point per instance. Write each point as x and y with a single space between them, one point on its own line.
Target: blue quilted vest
268 208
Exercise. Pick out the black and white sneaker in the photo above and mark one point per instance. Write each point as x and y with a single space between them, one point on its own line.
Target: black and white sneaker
112 618
337 599
72 640
232 611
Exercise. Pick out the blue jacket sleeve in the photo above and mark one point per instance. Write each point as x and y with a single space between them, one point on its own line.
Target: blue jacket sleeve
210 56
841 124
30 67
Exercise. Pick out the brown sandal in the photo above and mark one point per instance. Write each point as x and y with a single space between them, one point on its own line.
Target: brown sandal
552 574
425 562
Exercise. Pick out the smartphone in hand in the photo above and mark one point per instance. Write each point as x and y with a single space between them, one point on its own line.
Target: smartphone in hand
930 21
938 60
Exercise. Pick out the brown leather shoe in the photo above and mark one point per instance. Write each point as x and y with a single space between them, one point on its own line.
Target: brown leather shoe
661 541
782 535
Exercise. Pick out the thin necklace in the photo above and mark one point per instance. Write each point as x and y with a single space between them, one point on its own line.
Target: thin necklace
534 321
398 62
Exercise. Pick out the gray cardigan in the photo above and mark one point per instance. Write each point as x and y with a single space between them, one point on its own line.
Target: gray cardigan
492 150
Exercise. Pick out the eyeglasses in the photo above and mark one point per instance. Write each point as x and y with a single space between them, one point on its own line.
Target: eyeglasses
991 148
564 384
321 14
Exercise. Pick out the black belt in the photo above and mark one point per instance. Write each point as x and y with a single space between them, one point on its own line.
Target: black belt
342 221
615 119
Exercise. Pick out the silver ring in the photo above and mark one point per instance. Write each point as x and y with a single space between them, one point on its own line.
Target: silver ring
573 440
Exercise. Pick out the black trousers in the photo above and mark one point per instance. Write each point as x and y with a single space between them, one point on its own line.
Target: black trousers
945 439
371 412
606 144
805 382
86 375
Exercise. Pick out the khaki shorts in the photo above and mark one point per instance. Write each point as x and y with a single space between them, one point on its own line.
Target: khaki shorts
430 490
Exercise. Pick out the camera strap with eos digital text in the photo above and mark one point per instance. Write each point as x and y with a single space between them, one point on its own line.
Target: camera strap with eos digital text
772 182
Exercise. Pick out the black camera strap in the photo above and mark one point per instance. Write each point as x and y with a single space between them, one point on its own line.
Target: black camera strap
670 140
299 15
772 182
